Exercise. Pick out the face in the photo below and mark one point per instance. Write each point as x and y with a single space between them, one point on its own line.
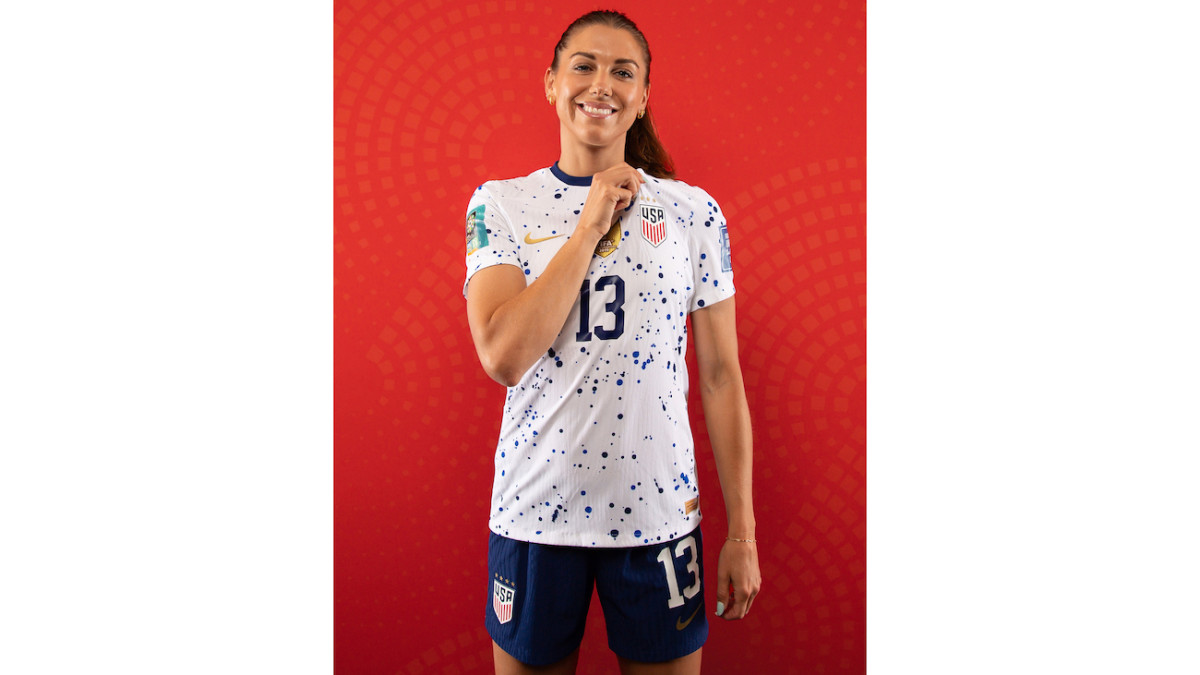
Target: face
599 86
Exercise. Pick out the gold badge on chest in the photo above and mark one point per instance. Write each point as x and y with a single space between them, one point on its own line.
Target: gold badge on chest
609 242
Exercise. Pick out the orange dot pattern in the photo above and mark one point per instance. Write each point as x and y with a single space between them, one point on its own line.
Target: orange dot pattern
763 104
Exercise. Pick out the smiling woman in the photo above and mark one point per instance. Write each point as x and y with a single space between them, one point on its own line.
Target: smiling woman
608 53
580 280
599 94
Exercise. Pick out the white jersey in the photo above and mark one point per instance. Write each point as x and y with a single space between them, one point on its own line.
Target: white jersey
595 447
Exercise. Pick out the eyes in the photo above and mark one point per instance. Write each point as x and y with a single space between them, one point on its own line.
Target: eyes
622 73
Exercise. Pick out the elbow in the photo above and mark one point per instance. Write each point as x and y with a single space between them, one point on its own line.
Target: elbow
501 356
508 379
720 376
713 377
711 386
500 370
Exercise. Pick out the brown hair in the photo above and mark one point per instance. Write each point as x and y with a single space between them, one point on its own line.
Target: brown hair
643 149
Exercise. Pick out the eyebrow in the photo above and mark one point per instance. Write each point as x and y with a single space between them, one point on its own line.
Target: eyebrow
593 57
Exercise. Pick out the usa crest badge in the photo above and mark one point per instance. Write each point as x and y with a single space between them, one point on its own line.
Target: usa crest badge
502 601
654 224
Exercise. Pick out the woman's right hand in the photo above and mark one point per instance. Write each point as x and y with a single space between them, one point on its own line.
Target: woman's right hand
613 190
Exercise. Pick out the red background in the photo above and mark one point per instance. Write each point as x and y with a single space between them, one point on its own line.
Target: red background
764 105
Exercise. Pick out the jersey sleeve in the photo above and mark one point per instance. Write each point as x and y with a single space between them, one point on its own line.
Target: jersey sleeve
712 265
490 239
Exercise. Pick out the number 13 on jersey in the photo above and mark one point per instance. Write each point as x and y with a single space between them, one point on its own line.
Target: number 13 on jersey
614 307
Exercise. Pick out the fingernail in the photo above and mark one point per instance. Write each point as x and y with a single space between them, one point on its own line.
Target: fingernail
720 608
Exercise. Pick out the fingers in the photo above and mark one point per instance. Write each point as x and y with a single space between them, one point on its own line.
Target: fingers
631 183
623 176
723 599
750 593
737 605
634 180
738 581
612 191
739 602
625 198
746 598
626 189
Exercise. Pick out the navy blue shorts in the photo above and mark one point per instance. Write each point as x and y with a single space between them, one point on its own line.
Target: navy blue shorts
652 596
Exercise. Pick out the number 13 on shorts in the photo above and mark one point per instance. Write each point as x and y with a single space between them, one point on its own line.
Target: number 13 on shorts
685 547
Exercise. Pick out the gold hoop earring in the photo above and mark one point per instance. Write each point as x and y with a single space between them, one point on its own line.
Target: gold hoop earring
550 98
641 113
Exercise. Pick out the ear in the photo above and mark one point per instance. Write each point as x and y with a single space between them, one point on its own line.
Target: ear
645 97
549 81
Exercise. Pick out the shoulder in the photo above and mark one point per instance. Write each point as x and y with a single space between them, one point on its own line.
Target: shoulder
692 197
509 188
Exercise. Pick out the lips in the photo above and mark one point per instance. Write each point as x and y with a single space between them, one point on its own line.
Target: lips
596 110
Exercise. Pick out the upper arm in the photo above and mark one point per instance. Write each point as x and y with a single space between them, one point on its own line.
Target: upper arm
493 261
714 332
487 290
712 264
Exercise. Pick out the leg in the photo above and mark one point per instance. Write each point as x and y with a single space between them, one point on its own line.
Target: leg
507 665
684 665
653 600
538 599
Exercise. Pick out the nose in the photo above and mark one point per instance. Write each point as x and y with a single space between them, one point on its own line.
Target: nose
600 85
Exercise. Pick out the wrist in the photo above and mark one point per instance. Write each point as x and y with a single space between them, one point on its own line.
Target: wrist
743 527
587 236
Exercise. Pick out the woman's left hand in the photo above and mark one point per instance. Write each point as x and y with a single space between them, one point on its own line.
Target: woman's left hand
738 579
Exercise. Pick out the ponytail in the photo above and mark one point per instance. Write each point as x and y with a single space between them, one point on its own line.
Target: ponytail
643 149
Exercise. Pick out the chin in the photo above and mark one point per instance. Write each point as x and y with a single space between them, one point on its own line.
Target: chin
600 138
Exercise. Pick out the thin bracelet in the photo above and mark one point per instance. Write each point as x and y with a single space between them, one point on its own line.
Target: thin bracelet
748 541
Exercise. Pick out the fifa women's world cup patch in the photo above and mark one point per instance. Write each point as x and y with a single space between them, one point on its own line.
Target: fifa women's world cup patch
476 230
609 242
502 600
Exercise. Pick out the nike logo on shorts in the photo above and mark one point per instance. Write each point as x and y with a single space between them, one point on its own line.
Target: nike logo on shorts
680 624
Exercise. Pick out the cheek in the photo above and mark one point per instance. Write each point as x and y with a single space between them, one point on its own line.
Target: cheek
566 109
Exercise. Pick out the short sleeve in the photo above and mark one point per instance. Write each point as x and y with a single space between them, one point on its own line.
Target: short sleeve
712 264
490 240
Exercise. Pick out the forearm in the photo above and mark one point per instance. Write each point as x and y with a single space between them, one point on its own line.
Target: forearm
728 417
523 328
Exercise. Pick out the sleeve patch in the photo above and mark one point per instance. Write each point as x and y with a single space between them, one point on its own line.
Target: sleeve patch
726 258
476 230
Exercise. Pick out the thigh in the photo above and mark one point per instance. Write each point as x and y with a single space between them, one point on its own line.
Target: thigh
538 599
653 599
507 665
684 665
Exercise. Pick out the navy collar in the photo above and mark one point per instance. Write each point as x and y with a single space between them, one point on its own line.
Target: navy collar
582 181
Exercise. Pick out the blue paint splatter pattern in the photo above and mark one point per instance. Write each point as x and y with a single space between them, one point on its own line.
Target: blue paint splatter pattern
595 446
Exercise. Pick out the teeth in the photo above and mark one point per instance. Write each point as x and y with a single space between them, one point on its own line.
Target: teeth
597 111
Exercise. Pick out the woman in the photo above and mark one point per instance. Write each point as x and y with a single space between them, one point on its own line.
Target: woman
580 278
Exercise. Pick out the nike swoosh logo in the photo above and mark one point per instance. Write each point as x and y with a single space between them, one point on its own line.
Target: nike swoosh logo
680 624
531 240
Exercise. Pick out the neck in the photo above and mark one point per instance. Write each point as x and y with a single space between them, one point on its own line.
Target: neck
581 160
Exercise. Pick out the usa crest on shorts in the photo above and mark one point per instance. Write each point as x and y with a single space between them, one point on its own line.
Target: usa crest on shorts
502 601
654 224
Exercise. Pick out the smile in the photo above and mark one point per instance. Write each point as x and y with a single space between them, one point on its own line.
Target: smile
598 111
